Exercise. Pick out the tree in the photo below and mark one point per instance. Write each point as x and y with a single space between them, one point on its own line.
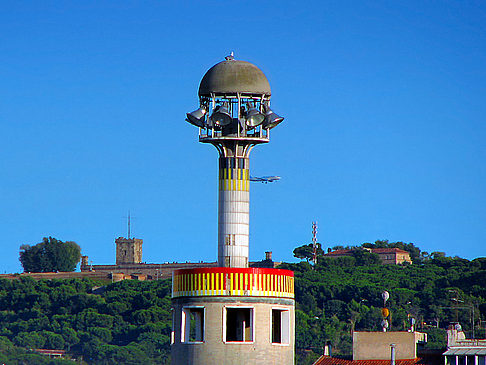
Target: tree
307 251
50 255
364 257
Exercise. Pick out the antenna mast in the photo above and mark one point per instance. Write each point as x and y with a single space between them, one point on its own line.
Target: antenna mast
128 225
314 242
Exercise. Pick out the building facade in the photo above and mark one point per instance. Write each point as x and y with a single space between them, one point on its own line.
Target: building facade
233 316
462 351
388 256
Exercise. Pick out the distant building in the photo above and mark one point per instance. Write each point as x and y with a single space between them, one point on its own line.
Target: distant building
376 345
128 250
388 256
462 351
384 348
129 263
51 353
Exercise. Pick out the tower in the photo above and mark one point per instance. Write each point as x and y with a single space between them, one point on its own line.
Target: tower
233 314
128 250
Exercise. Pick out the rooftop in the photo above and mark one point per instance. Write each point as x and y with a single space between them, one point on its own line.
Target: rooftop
233 76
328 360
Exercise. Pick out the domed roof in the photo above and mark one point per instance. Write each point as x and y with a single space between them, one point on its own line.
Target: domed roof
232 76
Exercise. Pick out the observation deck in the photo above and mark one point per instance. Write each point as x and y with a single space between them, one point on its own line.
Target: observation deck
233 282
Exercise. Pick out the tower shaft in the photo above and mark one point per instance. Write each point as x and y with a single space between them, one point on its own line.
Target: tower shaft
233 211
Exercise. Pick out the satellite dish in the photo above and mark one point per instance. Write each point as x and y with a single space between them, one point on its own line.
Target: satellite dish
384 325
385 295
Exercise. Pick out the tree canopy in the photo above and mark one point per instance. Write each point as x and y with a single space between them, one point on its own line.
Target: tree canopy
50 255
128 323
307 251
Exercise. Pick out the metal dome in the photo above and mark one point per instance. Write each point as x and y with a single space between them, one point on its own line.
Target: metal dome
233 76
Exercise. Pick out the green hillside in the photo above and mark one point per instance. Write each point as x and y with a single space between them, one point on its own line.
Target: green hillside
130 321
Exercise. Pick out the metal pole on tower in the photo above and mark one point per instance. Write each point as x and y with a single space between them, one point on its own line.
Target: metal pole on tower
128 225
314 242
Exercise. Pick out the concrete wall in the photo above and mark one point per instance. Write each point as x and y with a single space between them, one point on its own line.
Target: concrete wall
214 351
160 271
376 345
154 271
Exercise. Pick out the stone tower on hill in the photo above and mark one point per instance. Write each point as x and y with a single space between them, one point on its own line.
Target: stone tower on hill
128 250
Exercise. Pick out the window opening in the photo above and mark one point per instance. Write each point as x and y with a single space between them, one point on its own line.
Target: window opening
280 326
239 324
192 324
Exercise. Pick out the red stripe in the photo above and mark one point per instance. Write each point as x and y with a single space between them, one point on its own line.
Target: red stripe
228 270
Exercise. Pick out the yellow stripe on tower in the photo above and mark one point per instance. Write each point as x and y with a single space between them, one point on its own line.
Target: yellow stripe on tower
199 284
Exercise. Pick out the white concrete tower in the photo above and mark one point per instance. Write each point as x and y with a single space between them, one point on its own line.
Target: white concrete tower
233 314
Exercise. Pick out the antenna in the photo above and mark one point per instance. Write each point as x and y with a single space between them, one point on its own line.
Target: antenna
128 225
314 242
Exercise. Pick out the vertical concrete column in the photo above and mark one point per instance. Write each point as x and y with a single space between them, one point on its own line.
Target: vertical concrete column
233 212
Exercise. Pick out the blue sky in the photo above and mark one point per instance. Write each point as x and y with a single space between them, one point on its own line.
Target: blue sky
384 136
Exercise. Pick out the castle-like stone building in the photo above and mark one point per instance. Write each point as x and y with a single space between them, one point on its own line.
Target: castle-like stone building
128 250
129 263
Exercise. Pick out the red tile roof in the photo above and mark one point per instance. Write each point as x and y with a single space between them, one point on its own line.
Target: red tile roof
388 250
374 250
339 252
328 360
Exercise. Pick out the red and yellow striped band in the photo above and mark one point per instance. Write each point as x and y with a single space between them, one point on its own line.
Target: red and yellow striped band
222 281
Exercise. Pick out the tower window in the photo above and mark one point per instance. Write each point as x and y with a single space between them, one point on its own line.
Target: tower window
239 325
192 324
280 326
